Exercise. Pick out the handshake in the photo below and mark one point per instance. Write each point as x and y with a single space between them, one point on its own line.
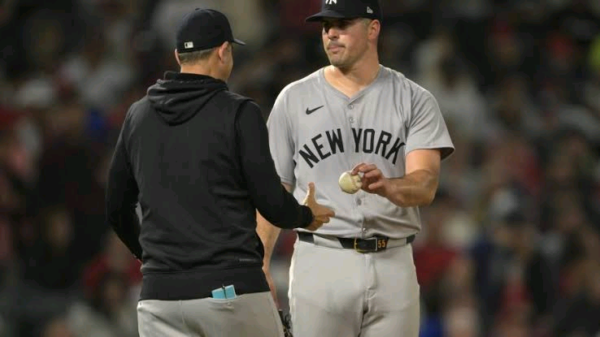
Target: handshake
321 214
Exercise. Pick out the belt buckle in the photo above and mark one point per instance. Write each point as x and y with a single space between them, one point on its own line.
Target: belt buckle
375 246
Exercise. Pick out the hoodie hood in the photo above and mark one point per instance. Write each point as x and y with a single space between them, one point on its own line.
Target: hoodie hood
180 96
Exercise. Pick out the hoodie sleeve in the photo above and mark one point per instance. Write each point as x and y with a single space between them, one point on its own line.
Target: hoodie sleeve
269 196
122 198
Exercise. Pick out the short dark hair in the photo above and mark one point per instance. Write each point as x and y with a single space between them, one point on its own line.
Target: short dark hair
195 56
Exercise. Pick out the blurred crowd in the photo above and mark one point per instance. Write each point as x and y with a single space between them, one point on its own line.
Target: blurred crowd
509 248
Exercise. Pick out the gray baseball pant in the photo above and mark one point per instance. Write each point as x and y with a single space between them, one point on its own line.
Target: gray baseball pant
248 315
341 292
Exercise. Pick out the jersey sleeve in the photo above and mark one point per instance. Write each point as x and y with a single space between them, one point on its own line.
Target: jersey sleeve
281 140
427 128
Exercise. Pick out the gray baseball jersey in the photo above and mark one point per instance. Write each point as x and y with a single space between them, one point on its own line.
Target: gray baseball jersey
316 133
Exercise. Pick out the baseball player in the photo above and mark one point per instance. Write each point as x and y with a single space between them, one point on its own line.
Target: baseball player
356 276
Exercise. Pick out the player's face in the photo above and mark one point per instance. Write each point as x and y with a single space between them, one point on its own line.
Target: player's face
344 40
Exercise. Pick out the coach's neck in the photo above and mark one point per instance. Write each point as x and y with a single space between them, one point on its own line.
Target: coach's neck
213 66
202 69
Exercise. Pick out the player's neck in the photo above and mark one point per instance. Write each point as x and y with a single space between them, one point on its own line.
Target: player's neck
202 69
355 78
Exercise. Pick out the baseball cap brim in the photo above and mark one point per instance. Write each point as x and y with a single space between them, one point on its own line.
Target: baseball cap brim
240 42
325 14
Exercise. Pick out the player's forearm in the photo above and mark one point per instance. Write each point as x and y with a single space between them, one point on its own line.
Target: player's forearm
415 189
268 235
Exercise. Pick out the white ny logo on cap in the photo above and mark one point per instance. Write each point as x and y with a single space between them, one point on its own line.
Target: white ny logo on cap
331 2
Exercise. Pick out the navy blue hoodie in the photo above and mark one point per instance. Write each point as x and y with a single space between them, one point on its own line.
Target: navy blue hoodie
196 158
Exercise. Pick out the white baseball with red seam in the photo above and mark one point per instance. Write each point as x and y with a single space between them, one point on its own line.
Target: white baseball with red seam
350 183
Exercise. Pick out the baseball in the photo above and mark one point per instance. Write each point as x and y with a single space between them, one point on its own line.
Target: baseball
350 183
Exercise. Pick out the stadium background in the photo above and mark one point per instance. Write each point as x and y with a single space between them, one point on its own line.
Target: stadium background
510 248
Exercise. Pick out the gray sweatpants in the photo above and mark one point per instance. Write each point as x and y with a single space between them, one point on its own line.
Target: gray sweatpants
248 315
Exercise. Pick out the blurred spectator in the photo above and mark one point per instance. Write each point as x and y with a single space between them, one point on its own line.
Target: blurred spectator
57 327
433 257
514 107
49 263
69 175
115 258
109 312
96 75
292 13
461 319
458 95
507 52
578 315
591 95
513 275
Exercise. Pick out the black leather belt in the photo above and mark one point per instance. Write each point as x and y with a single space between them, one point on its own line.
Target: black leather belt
368 245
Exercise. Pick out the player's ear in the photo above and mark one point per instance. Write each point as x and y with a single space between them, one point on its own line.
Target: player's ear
223 51
177 56
373 29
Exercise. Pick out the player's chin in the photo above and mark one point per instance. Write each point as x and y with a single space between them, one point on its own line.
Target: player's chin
337 61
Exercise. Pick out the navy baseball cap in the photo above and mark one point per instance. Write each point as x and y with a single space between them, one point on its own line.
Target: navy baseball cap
348 9
204 29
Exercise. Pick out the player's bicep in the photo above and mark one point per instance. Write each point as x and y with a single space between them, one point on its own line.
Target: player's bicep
427 129
428 160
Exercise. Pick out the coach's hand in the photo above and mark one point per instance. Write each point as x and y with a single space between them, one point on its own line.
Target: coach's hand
373 180
321 213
